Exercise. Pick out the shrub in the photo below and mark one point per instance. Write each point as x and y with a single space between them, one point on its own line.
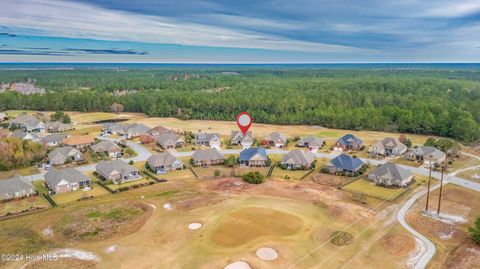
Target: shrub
475 231
341 238
216 173
253 178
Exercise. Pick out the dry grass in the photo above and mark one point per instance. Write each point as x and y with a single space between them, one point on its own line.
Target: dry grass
17 206
370 189
209 172
96 191
31 170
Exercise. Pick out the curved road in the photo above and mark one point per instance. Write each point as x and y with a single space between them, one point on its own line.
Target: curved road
143 154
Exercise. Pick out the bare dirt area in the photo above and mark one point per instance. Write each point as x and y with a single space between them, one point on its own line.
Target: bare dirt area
63 263
398 244
329 180
448 230
101 222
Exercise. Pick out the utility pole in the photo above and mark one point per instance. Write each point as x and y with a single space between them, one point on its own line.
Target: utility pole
428 188
444 167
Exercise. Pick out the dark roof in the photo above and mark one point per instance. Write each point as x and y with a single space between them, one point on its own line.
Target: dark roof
54 138
346 162
247 154
15 184
350 139
207 155
161 159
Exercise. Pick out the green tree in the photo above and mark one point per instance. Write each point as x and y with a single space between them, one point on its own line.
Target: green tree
475 231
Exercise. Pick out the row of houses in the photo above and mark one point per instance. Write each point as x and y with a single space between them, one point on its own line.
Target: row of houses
30 124
66 154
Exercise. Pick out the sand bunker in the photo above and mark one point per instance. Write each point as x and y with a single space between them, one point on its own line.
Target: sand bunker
167 206
267 254
111 249
194 226
238 265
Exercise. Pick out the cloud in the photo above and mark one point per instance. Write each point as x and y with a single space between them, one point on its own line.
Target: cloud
8 34
68 51
78 20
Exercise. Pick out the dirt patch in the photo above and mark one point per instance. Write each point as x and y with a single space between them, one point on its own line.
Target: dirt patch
341 238
398 244
350 212
329 180
465 256
432 227
202 200
101 222
67 263
247 224
229 185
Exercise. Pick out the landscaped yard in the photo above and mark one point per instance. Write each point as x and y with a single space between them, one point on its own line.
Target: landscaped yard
95 191
31 170
370 189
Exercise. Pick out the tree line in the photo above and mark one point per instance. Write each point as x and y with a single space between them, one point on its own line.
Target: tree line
437 102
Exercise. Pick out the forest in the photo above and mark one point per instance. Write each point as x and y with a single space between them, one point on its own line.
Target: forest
444 102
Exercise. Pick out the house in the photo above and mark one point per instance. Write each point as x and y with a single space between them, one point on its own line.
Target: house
207 157
15 187
53 140
275 139
27 123
134 130
164 162
64 155
346 164
169 141
79 141
58 127
348 142
239 138
297 159
311 142
388 147
253 157
113 128
159 130
105 146
391 175
208 139
65 180
118 171
430 156
25 136
3 116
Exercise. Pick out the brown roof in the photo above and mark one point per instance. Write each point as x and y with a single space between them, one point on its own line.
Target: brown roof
78 140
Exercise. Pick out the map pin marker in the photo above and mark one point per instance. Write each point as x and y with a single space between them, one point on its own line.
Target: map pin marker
244 120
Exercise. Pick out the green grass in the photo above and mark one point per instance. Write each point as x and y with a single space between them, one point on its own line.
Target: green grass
184 174
368 188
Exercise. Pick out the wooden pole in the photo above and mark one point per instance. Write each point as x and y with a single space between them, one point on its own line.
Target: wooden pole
428 188
444 166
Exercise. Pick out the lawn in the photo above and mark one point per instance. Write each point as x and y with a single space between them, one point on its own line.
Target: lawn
31 170
23 204
463 161
370 189
403 161
288 174
91 117
209 172
96 191
184 174
143 180
239 171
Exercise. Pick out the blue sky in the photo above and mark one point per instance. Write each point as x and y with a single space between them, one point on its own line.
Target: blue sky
245 31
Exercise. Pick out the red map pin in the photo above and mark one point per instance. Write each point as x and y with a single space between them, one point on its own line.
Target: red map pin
244 120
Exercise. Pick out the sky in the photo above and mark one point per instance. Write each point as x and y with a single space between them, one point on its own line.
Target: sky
240 31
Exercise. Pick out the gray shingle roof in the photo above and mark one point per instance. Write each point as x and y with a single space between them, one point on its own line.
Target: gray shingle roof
276 135
70 175
106 146
391 171
298 157
350 139
312 141
26 120
161 159
15 184
207 155
164 138
426 152
64 152
107 167
54 138
206 137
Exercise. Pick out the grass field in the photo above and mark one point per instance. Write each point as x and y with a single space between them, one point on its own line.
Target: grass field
288 174
96 191
370 189
31 170
239 171
209 172
473 174
16 206
184 174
